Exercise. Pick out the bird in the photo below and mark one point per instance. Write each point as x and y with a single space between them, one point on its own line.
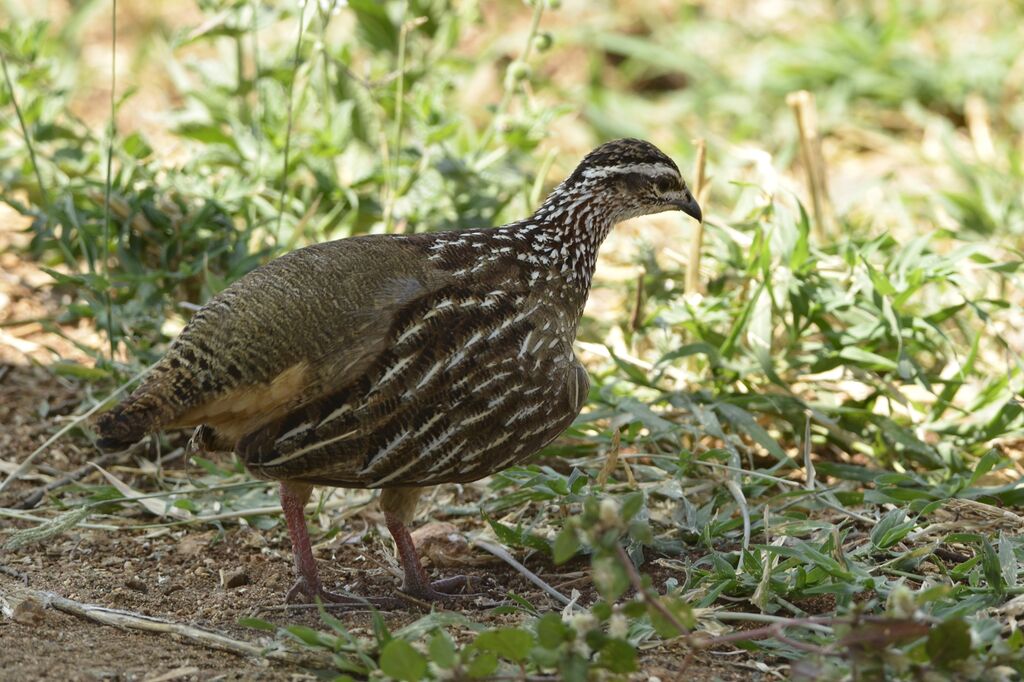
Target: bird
401 361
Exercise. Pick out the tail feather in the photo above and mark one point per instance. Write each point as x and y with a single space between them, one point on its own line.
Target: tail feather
140 414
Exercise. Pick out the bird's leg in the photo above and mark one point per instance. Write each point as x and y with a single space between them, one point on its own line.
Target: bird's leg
416 583
200 442
399 505
293 501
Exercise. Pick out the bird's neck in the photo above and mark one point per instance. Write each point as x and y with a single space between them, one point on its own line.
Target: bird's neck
572 228
562 240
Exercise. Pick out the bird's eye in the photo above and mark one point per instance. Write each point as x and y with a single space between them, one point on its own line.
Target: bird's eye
664 184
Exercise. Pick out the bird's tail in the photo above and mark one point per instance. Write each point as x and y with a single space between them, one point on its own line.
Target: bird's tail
138 415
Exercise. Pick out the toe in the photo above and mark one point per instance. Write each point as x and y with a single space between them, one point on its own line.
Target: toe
458 584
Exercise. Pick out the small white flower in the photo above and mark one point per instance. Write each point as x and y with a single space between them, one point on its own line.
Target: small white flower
609 512
582 623
580 646
618 626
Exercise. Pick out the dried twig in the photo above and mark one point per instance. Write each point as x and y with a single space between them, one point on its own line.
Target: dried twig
24 466
523 570
976 113
806 113
697 243
137 621
611 460
31 500
637 318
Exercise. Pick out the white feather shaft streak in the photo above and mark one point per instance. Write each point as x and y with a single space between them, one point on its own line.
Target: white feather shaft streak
278 461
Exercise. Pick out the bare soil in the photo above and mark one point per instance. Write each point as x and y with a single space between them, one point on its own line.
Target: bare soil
181 574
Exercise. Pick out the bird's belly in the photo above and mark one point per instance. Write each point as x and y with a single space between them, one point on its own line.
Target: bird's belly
464 437
478 423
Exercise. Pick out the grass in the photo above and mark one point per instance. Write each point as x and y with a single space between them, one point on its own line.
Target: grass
824 444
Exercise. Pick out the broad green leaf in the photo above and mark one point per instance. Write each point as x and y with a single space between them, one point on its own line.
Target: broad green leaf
510 643
890 529
631 504
257 624
401 661
442 650
949 642
482 665
551 631
618 656
566 545
681 612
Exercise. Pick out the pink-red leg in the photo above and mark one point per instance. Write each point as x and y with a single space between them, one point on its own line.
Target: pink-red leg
293 501
416 583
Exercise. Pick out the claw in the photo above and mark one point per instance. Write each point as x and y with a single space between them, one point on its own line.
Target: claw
334 599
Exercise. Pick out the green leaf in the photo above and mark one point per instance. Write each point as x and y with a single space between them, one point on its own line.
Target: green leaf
618 656
401 661
987 462
892 528
380 629
257 624
693 349
519 537
551 631
512 644
566 545
309 636
375 27
609 577
1007 560
77 371
865 358
631 504
681 612
442 650
483 665
741 420
640 531
990 566
949 642
573 668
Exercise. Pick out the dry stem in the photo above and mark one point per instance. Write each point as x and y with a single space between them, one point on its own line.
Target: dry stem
806 113
693 285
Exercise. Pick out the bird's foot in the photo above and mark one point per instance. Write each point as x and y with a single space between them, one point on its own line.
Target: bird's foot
448 591
302 588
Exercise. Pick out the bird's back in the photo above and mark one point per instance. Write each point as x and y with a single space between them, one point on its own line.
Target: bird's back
276 338
472 377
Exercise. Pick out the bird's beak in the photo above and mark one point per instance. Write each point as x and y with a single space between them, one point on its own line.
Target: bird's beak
690 207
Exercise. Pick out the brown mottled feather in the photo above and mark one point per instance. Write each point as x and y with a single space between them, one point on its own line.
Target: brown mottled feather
243 409
405 360
317 307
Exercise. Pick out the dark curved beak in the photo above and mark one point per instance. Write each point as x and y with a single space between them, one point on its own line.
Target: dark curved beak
690 207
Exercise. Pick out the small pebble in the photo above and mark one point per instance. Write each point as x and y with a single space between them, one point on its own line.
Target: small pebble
191 545
29 612
234 579
137 585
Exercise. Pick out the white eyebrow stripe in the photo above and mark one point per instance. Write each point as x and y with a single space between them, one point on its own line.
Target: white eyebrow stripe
649 169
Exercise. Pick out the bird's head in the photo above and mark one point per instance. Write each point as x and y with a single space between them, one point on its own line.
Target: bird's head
628 178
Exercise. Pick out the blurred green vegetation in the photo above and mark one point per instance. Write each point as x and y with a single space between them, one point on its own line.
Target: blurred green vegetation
840 387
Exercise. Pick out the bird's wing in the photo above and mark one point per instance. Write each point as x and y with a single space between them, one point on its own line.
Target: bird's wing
439 350
278 338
